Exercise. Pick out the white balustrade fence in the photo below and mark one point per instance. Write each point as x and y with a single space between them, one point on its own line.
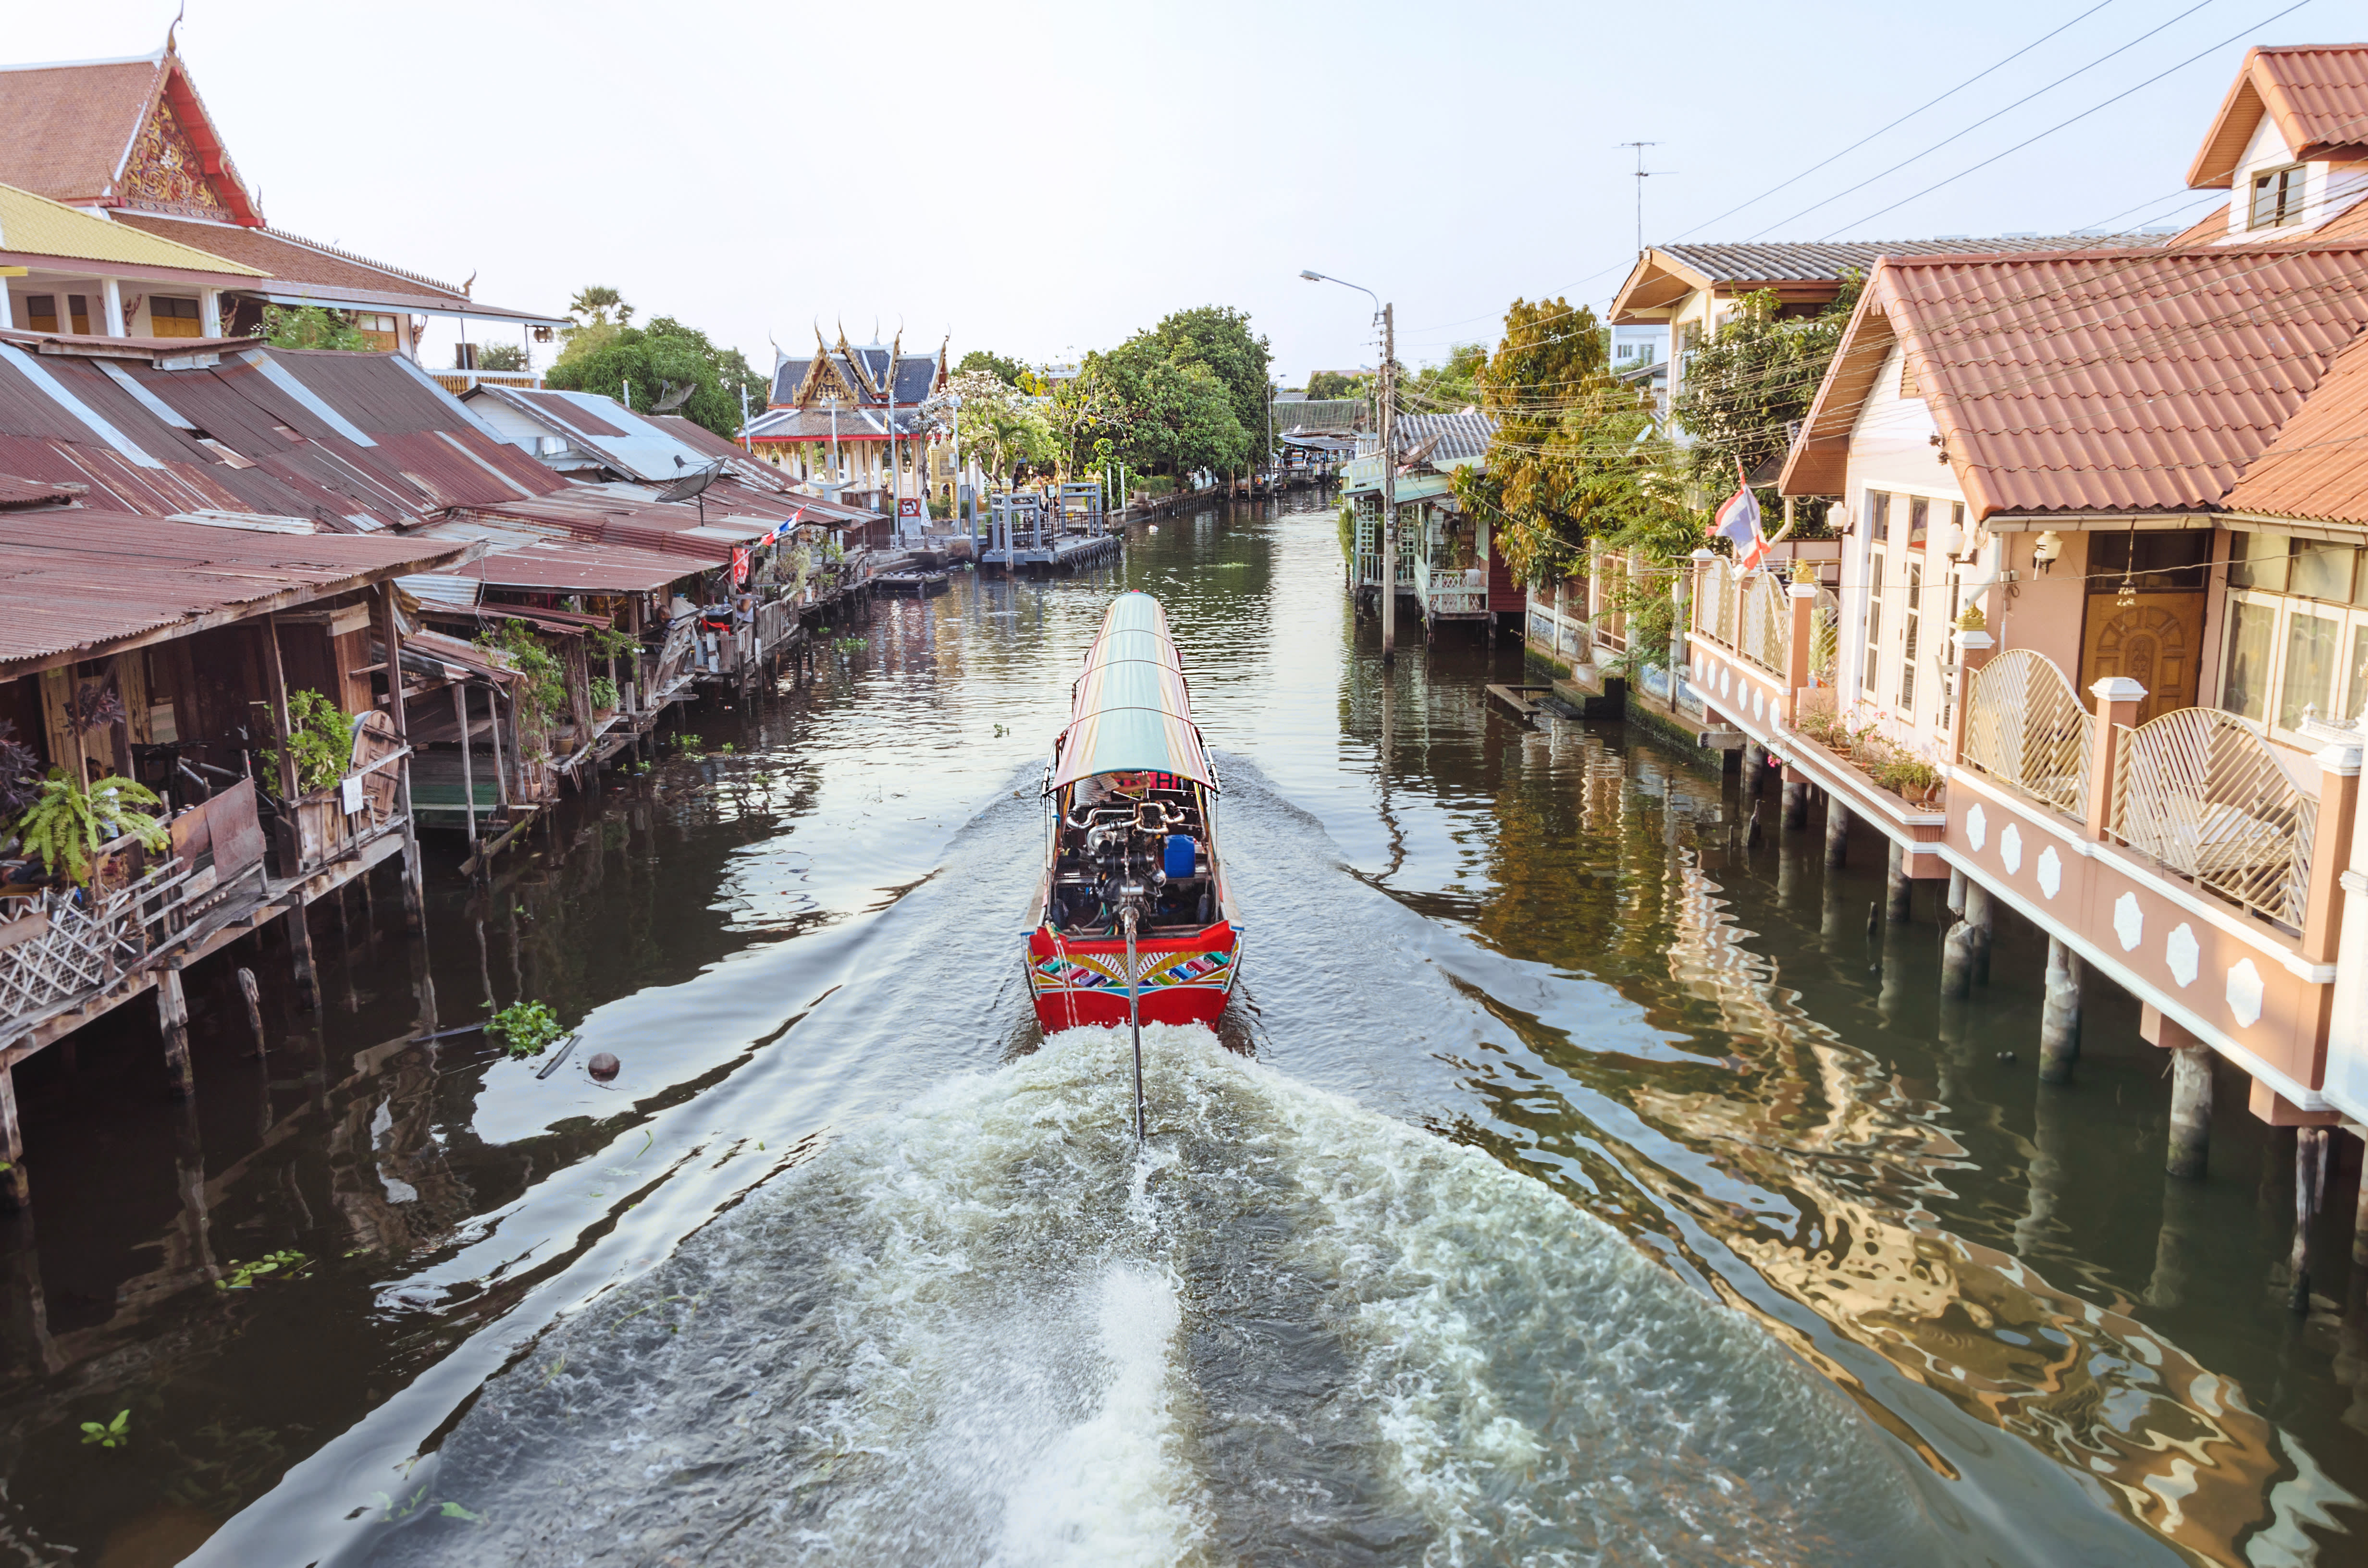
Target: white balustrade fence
2197 789
2024 725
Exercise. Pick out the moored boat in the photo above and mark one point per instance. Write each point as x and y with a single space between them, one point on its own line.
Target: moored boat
1133 915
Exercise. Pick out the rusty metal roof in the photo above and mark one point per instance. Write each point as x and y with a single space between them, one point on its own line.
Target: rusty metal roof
2109 383
2317 95
16 493
74 583
2316 469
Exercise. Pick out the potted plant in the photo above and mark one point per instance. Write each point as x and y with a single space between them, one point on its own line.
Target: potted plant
66 824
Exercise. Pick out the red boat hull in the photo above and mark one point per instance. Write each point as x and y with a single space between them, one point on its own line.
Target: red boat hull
1182 981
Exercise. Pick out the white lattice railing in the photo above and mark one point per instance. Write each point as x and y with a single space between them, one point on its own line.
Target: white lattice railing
1825 637
1764 622
2024 725
2197 790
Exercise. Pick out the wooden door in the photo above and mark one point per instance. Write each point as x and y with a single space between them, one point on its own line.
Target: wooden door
2158 642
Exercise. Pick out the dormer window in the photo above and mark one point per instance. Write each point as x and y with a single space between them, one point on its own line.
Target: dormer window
2277 197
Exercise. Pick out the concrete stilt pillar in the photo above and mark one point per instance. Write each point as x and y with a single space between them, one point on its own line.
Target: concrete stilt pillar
1837 834
1956 894
15 1191
299 949
1796 804
2190 1111
2059 1019
1965 954
172 1022
2310 1171
1755 765
1899 893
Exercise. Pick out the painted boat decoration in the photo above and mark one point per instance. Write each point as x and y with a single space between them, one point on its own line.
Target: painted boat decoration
1132 865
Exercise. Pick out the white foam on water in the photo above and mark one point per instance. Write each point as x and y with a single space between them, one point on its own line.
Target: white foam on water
1107 1491
982 1328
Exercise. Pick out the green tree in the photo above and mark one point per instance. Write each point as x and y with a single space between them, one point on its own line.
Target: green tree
636 364
1324 384
1002 426
501 357
597 304
310 326
1218 337
986 362
1165 417
1446 388
1574 456
1747 384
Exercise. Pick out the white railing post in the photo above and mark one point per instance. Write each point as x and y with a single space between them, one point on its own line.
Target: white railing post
1974 651
2330 853
1803 608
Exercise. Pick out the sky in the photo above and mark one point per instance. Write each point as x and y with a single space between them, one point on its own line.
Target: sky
1042 179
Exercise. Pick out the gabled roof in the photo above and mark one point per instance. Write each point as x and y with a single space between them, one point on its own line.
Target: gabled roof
34 225
1808 270
117 134
2317 94
2104 382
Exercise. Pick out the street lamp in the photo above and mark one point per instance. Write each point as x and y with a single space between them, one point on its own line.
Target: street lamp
1388 417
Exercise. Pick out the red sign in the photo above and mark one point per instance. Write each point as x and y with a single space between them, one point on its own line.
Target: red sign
910 509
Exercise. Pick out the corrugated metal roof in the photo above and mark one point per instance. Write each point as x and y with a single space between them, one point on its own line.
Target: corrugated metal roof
34 225
75 581
2113 383
1789 260
624 441
2316 469
16 492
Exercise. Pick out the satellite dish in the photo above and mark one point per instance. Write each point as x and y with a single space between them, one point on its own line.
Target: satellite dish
673 397
692 484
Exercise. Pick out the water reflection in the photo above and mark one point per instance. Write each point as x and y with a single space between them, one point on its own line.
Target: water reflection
1564 952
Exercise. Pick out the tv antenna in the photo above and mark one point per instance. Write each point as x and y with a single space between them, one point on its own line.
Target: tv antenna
1643 173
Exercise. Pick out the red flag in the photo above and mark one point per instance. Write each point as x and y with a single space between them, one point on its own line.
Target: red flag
739 564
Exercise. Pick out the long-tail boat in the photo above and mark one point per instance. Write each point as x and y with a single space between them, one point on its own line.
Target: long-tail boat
1134 921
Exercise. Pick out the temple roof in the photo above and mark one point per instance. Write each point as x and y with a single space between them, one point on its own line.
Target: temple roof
117 134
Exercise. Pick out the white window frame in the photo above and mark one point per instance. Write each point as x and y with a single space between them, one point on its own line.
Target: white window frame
1911 617
2347 697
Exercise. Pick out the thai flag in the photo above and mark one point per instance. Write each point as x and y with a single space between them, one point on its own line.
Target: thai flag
1738 520
781 530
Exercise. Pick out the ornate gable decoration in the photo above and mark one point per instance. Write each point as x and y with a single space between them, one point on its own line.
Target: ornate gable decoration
165 173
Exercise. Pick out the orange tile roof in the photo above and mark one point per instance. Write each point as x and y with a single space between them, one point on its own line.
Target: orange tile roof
2316 469
2104 382
64 128
2317 94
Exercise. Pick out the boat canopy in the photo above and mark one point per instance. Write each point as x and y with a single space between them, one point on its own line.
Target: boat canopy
1130 710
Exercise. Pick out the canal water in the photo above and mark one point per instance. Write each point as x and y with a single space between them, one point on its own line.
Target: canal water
1571 1181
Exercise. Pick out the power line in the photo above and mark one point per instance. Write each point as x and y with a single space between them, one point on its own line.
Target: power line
2084 114
1903 119
1987 118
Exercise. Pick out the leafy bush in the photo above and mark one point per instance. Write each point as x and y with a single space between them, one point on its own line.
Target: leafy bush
542 695
525 1028
1907 775
322 742
67 824
310 326
604 692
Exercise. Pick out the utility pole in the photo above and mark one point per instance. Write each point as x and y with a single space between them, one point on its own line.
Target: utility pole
1389 420
1643 173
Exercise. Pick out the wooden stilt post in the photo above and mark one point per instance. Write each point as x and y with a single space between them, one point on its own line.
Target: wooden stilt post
253 995
16 1190
2059 1019
172 1022
391 633
299 950
468 768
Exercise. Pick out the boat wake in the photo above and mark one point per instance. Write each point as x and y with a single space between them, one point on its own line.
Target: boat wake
981 1328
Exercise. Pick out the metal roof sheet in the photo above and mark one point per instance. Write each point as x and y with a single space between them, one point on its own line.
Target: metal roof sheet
2109 384
17 492
73 581
35 225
